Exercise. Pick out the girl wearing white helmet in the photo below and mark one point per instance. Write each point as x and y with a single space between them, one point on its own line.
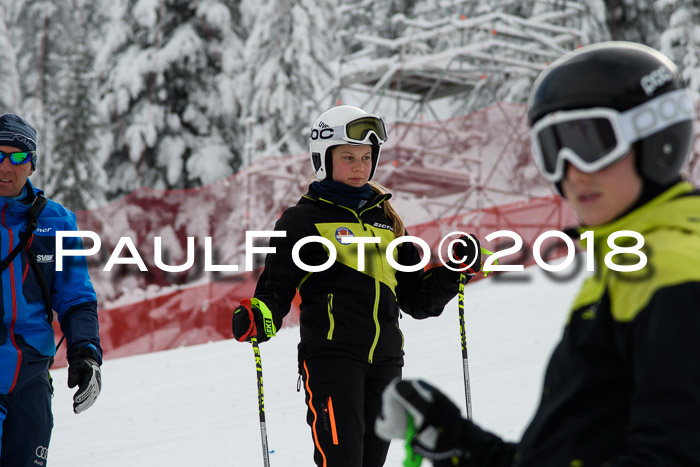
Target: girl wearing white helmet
351 347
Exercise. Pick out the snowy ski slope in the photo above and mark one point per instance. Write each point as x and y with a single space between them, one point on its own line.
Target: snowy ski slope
197 406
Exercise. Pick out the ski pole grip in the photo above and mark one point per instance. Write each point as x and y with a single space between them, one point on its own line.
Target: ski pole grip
268 323
412 459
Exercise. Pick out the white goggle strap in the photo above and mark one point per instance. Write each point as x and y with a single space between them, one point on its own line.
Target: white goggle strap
657 114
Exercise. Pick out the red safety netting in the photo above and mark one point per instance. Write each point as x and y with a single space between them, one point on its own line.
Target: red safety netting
472 173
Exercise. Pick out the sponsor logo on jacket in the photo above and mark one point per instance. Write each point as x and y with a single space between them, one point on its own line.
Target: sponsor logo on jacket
341 233
383 226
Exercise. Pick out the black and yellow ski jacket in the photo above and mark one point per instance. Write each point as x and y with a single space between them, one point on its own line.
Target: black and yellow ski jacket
622 387
345 311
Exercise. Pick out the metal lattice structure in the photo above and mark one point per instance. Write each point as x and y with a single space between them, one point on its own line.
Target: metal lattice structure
473 161
454 56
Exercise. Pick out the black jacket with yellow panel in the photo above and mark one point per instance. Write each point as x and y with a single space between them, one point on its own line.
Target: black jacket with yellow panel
622 387
345 311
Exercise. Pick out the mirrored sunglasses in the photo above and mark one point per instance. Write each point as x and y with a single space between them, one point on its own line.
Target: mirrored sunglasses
17 158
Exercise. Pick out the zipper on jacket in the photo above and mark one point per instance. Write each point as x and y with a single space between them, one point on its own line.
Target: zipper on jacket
375 308
330 317
375 312
13 296
375 315
377 286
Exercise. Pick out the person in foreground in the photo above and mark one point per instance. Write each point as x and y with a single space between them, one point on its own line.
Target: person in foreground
351 346
32 288
611 126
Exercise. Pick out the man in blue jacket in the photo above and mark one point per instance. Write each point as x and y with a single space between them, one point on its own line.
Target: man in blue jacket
31 289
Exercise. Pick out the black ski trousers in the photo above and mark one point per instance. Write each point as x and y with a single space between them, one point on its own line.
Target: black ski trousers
344 398
25 425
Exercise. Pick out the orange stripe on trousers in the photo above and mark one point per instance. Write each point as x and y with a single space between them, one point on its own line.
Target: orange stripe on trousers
313 426
331 415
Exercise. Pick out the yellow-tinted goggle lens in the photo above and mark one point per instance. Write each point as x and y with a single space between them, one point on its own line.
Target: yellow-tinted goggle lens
358 129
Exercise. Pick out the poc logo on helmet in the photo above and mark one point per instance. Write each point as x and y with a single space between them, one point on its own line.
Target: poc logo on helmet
321 133
655 80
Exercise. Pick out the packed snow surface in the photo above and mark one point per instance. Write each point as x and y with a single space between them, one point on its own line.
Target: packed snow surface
197 406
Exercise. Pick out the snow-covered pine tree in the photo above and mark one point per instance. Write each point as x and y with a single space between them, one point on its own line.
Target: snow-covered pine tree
681 40
376 18
77 178
10 86
635 21
288 56
169 92
681 43
31 41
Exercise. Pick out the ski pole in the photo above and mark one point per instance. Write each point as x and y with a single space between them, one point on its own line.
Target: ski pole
463 335
261 402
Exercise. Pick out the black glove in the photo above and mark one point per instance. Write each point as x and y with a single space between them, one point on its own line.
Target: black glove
441 434
437 421
84 372
466 252
249 321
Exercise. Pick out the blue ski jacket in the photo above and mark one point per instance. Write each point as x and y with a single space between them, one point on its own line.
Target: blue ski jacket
27 342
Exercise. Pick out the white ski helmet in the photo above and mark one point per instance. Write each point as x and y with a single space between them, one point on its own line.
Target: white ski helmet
344 124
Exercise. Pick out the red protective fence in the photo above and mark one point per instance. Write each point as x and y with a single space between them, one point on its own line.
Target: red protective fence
472 173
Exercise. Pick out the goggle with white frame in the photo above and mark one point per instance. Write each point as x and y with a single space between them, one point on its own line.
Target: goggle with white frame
359 130
592 139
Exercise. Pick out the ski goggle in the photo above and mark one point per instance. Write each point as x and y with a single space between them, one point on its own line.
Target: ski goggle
359 130
592 139
17 158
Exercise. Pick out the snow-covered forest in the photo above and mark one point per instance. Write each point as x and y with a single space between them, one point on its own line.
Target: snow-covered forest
182 93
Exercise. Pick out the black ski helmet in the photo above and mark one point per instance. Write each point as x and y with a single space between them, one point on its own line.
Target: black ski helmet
620 76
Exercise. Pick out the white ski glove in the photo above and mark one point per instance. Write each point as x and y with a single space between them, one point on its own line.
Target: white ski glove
436 419
85 373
